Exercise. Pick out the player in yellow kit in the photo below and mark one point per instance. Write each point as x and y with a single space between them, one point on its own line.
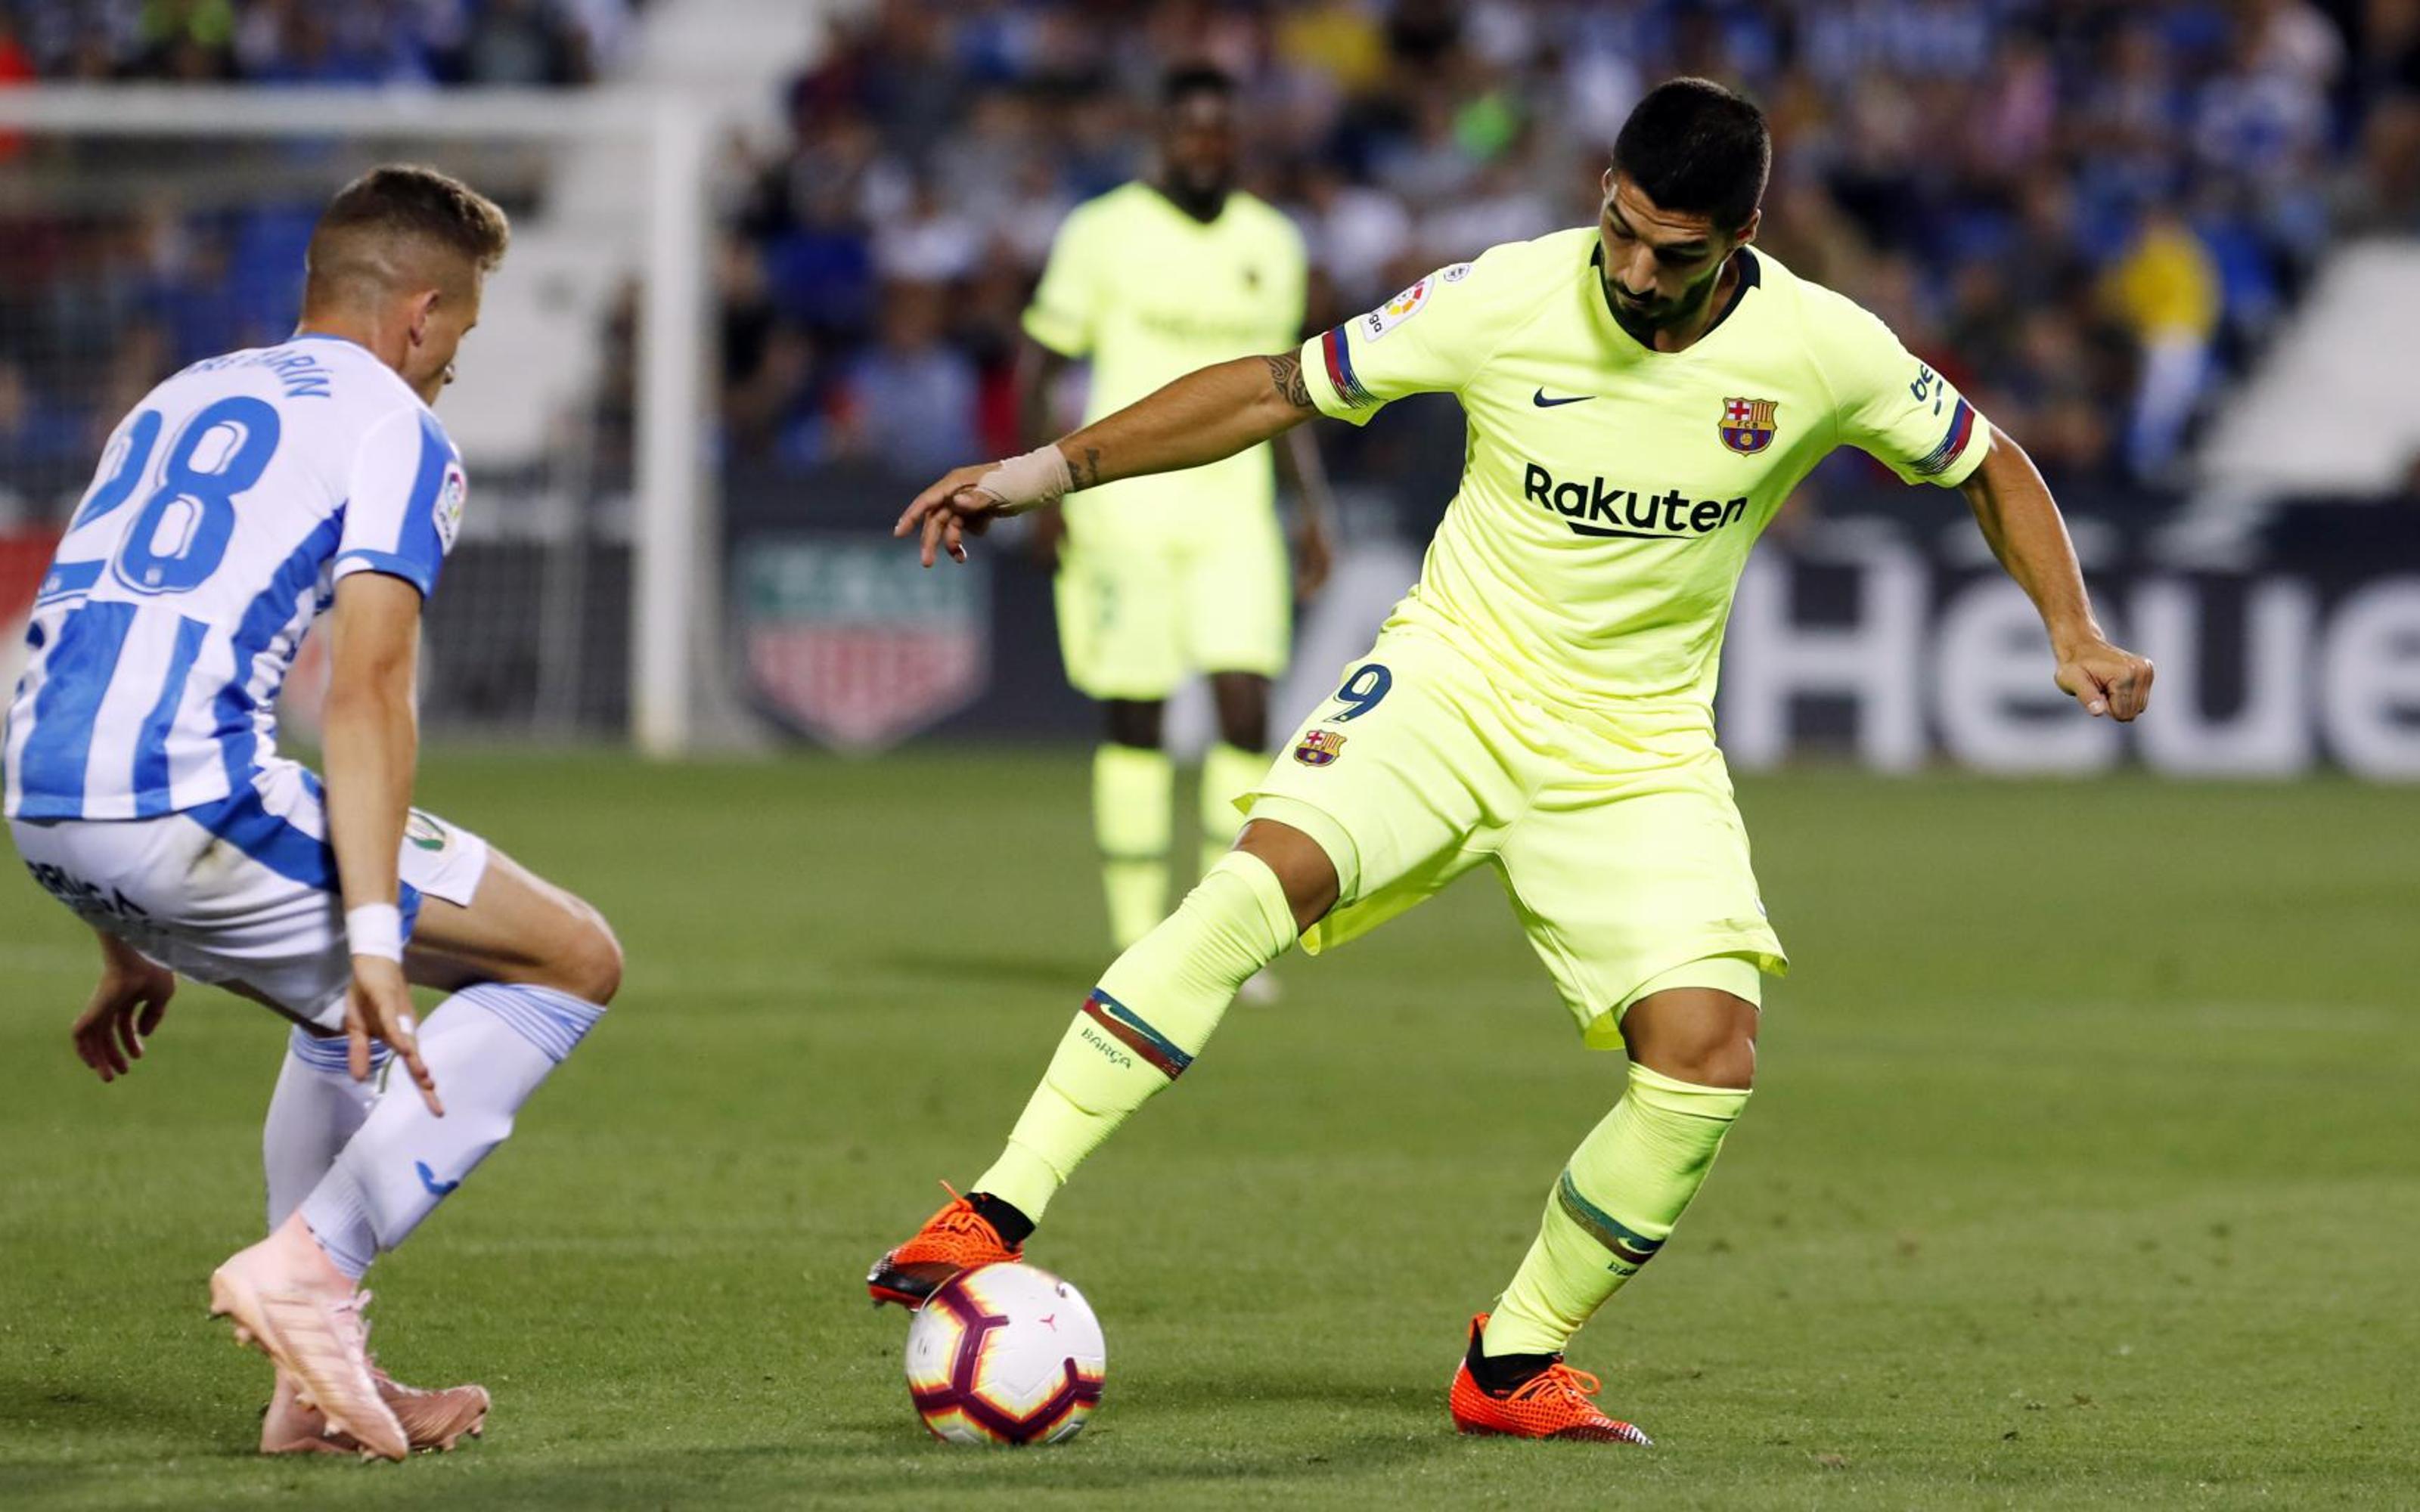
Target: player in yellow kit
1163 577
1641 396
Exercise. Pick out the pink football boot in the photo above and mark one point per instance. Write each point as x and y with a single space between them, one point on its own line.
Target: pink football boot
287 1300
432 1420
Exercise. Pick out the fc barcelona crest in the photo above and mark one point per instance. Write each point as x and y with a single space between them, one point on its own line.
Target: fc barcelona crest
1748 423
1319 748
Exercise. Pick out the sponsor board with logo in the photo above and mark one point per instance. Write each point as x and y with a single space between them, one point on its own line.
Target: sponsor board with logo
845 639
1880 633
1899 660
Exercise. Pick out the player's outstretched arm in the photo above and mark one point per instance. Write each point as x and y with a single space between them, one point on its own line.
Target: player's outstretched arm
1208 414
2022 522
372 738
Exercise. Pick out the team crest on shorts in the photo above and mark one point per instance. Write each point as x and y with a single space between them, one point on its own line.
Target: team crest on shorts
1748 423
1320 748
424 831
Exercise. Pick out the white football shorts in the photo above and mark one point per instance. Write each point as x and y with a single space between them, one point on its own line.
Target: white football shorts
241 891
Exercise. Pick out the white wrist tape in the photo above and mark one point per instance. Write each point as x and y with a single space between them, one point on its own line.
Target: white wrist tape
1029 480
375 929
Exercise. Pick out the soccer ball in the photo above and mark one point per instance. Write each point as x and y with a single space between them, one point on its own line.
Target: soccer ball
1005 1354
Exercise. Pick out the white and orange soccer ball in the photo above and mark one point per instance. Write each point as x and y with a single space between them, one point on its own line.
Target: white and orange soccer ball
1005 1354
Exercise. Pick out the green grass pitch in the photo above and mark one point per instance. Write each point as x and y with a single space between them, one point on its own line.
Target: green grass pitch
2082 1174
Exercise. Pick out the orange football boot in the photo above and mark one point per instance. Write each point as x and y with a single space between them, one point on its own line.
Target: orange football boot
956 1238
1553 1404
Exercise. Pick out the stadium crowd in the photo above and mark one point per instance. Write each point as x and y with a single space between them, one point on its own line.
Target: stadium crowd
2088 211
313 41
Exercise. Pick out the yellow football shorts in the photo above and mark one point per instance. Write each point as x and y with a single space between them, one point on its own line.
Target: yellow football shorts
1622 854
1144 603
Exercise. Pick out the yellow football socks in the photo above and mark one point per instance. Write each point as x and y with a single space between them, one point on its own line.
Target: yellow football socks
1134 791
1228 772
1613 1208
1151 1016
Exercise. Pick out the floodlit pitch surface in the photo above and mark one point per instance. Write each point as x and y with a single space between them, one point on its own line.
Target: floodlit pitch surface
2086 1172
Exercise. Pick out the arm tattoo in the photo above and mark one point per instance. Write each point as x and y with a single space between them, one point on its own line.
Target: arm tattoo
1285 375
1086 470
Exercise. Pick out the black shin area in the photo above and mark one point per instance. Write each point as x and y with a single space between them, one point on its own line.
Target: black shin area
1013 1226
1501 1375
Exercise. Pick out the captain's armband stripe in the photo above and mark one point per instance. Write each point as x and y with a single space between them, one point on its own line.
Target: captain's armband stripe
1953 442
1336 352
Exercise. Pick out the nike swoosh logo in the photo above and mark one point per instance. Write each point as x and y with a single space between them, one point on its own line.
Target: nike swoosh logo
428 1179
1541 400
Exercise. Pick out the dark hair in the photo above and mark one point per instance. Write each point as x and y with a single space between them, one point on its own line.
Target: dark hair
1692 146
1196 78
392 211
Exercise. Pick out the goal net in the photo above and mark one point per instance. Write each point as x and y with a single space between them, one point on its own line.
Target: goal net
145 228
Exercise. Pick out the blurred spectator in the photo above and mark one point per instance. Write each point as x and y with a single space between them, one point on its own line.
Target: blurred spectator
2166 289
2383 196
524 43
908 402
45 444
16 68
927 241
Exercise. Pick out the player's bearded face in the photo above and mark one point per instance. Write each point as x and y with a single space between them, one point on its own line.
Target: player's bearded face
1660 265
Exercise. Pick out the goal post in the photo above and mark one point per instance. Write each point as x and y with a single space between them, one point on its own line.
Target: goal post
599 585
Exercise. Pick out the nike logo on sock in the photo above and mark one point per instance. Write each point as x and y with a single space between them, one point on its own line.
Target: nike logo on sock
428 1179
1541 400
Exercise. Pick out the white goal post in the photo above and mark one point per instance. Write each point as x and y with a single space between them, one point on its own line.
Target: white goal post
673 621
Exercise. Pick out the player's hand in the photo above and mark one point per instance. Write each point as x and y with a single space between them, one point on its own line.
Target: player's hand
124 1012
1046 537
2107 680
944 515
379 1007
1314 557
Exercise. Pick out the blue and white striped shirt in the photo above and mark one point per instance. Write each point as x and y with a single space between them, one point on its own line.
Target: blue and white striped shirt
224 511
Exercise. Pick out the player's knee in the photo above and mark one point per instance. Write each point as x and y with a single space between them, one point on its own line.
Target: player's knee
1728 1062
590 966
1302 868
1696 1035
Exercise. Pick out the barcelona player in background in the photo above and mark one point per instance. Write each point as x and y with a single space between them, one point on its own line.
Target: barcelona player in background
1161 577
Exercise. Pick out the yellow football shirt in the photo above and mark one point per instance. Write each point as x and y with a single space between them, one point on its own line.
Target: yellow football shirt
1610 492
1149 294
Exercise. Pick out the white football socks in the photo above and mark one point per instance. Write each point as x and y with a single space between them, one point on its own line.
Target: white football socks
317 1108
489 1047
